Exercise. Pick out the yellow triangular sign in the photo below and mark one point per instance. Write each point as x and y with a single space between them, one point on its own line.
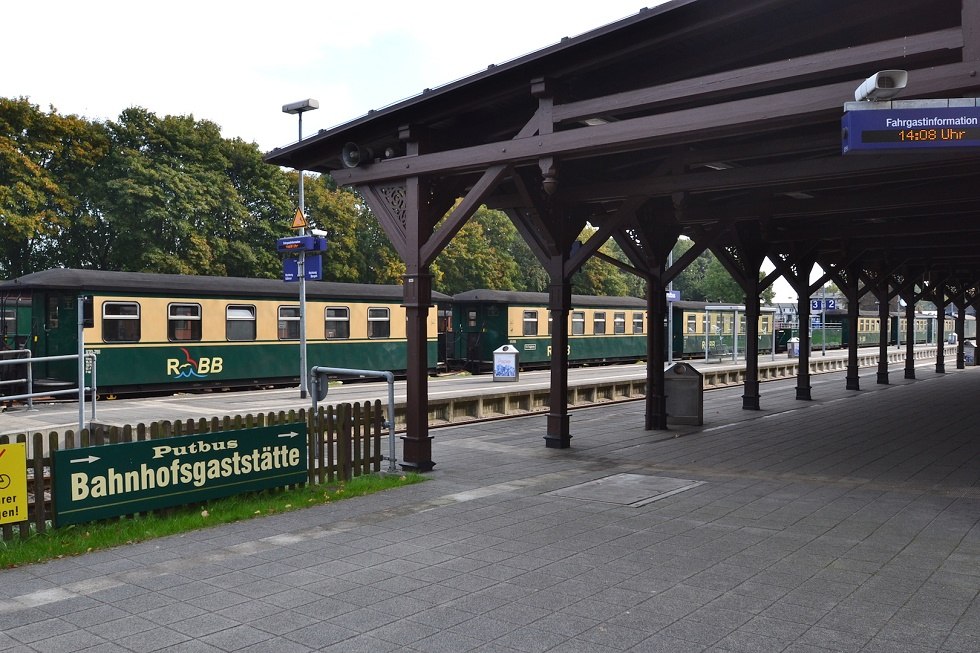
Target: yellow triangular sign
299 220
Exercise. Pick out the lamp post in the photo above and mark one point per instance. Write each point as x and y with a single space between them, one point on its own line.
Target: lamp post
299 108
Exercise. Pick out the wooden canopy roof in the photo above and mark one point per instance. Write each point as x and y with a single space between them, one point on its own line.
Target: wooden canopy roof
717 119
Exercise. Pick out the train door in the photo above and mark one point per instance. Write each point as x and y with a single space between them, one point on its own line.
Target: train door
470 325
57 335
446 336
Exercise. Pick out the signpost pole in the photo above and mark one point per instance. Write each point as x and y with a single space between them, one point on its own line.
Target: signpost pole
823 318
299 108
81 365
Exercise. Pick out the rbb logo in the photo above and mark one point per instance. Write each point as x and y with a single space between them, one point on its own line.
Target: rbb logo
194 368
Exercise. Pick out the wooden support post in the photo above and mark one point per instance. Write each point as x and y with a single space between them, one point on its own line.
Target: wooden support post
417 443
656 399
881 292
750 394
559 303
910 337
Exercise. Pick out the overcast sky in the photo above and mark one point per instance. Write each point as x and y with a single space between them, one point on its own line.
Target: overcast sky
237 63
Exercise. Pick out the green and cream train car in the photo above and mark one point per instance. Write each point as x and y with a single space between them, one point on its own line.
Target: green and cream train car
600 329
174 332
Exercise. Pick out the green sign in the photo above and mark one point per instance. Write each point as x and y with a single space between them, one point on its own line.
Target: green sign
118 479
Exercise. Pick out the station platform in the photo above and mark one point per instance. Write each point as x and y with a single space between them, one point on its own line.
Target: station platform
452 398
850 522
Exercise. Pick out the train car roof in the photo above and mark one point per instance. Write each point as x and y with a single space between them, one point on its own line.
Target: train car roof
169 284
540 298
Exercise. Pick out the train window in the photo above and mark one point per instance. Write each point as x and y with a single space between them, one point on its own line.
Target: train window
619 322
337 323
637 322
599 323
530 323
471 319
692 323
184 322
578 323
120 322
239 322
52 312
289 322
379 323
550 321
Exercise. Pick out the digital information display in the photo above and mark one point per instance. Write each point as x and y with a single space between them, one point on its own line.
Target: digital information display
873 130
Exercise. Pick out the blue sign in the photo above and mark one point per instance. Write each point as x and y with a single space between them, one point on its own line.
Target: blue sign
313 268
673 295
815 305
872 130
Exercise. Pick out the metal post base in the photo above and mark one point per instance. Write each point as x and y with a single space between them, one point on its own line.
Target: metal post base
803 393
417 453
558 432
882 378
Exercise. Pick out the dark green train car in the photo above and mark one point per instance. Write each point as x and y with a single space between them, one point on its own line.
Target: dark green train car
175 332
601 329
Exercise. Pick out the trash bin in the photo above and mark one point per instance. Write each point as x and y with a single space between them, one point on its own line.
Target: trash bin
505 363
793 348
969 352
684 387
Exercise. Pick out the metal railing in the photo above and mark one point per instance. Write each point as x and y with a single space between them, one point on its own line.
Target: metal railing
28 381
319 376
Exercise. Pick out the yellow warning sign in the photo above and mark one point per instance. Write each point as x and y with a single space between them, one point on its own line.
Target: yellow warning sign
299 220
13 483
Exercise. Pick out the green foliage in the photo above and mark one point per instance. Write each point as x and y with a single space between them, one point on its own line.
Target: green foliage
339 212
479 256
45 161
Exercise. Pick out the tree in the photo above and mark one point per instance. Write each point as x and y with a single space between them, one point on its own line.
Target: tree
45 162
690 282
380 262
598 277
479 256
718 284
339 212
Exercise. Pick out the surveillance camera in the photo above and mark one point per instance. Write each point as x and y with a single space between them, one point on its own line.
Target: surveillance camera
883 85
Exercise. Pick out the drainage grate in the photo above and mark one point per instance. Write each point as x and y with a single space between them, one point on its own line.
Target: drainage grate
632 490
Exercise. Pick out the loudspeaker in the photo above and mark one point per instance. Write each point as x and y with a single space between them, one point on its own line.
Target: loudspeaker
352 155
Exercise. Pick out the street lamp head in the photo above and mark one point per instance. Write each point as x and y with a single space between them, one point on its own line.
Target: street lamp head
300 106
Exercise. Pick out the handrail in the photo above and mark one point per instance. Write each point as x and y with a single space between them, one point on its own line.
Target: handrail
319 393
30 360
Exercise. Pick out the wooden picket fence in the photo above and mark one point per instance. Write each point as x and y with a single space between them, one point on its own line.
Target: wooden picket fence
344 441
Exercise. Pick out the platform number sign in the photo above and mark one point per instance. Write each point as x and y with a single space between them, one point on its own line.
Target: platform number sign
818 304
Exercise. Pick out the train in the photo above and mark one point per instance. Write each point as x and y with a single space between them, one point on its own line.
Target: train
153 332
168 333
601 329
